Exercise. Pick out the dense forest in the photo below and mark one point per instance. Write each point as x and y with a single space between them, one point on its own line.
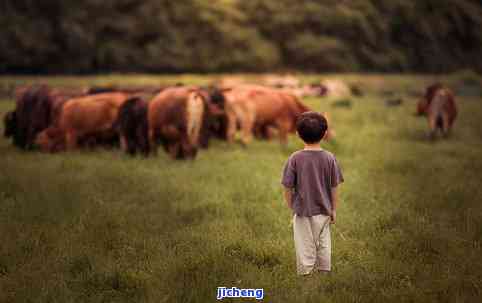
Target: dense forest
163 36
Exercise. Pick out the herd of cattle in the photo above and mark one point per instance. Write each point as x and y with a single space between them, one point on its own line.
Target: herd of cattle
180 118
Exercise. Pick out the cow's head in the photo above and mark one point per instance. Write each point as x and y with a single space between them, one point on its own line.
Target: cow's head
10 124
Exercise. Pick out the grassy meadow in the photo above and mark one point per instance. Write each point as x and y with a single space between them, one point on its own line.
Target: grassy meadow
99 226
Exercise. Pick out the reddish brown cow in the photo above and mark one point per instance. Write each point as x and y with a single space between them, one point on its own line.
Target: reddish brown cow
132 121
441 111
214 117
175 119
259 109
80 119
438 104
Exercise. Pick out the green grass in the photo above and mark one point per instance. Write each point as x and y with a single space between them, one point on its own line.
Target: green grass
102 227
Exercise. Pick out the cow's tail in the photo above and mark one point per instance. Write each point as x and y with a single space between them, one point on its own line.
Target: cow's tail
194 117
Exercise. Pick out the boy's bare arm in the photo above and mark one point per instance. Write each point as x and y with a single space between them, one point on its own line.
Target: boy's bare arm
334 201
288 193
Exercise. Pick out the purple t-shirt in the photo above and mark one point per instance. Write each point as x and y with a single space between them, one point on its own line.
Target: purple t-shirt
312 174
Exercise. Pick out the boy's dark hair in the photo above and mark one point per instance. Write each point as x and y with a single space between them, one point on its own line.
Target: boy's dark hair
311 127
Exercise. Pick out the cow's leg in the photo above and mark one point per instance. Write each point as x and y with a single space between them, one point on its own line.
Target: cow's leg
71 140
141 141
270 132
152 141
432 123
258 132
130 141
144 147
174 150
247 127
131 146
445 124
123 142
231 127
284 128
31 134
187 150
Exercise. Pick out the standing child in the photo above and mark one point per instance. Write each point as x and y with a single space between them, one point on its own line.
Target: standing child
310 178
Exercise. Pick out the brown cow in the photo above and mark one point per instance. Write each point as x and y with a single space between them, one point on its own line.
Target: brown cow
257 108
269 131
132 126
441 111
438 104
32 113
80 120
37 107
175 119
214 117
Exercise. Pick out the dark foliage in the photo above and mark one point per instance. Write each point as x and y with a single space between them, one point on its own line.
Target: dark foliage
257 35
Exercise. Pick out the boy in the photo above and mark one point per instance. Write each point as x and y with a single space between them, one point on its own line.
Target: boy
310 178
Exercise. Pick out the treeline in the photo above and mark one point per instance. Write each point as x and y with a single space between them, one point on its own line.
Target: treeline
89 36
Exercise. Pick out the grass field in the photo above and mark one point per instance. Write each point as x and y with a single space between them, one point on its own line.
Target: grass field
98 226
